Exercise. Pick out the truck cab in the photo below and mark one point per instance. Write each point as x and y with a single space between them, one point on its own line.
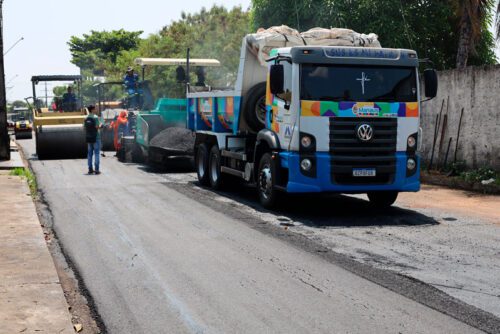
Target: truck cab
336 119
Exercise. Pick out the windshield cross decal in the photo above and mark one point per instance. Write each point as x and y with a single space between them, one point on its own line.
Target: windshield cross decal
363 79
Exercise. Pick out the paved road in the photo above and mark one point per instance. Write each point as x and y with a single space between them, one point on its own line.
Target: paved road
159 255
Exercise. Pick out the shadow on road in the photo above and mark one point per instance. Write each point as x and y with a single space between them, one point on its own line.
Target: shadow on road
316 210
327 210
175 165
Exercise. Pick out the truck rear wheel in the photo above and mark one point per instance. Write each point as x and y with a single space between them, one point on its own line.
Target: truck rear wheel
201 162
266 179
254 107
215 176
382 199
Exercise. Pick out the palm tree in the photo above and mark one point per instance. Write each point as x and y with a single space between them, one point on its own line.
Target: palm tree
472 14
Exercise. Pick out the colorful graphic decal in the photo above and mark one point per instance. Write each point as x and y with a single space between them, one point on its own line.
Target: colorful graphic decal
225 111
275 126
205 110
191 113
359 109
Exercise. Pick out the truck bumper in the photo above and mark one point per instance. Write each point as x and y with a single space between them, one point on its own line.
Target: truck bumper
323 181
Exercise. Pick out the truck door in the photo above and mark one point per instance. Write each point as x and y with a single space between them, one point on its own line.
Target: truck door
282 109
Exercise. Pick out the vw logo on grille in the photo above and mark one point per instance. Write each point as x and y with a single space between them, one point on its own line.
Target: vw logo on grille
365 132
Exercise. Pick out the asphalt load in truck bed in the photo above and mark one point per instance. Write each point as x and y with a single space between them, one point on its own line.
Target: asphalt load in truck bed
174 139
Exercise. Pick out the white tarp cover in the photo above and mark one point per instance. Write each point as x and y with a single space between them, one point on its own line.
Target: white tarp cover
264 40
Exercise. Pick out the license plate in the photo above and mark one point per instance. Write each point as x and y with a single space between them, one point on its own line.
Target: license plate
364 172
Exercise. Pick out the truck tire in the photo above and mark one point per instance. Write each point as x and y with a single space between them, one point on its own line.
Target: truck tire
201 162
266 180
215 176
382 199
254 107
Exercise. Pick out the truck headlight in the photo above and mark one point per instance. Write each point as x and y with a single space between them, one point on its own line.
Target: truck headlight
306 165
411 164
412 142
306 141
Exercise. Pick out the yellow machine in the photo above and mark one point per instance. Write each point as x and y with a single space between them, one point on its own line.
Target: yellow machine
59 131
23 128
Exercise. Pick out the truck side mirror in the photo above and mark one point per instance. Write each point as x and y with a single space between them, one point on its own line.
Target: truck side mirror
277 79
431 83
180 74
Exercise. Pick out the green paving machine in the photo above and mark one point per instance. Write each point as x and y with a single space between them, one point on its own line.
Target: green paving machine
169 113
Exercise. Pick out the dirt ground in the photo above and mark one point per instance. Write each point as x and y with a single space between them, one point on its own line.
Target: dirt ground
465 203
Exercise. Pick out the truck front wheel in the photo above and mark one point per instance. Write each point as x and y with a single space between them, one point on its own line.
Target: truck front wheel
201 163
266 179
382 199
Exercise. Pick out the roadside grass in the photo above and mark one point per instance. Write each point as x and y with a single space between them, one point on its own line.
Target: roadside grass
28 175
456 175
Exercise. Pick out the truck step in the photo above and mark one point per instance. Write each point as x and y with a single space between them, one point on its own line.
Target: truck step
234 155
231 171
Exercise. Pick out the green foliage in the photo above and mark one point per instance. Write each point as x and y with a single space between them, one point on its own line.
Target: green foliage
59 90
300 14
481 174
428 26
16 104
456 168
19 104
211 33
483 52
93 51
28 175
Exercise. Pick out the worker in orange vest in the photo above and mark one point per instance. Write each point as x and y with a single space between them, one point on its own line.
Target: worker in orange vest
120 128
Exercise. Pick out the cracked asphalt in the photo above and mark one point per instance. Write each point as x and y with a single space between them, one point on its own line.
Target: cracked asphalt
158 254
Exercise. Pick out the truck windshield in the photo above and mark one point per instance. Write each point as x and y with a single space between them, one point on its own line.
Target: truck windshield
358 83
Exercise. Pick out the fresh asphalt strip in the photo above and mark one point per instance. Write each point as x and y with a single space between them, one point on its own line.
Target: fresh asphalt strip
411 288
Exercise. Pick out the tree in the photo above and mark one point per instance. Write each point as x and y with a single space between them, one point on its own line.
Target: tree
473 14
210 33
94 50
19 104
429 26
16 104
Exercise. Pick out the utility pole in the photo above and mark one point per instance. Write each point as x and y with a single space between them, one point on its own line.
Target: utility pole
4 135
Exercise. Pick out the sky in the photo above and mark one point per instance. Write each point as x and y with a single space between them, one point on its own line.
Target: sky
47 25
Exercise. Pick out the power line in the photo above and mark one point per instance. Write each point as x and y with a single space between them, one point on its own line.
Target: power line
19 40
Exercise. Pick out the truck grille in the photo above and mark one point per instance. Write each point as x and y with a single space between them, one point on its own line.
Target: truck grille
348 152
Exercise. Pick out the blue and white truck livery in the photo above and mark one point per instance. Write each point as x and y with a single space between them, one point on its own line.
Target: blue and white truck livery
315 119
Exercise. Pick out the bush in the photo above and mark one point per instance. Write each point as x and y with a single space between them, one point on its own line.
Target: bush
478 175
455 168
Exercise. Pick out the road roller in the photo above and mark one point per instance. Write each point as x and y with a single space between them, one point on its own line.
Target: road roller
58 123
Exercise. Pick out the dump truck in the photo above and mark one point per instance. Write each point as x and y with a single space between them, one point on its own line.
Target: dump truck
151 140
58 126
314 119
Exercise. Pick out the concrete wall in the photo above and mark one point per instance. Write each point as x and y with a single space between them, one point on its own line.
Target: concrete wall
477 91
